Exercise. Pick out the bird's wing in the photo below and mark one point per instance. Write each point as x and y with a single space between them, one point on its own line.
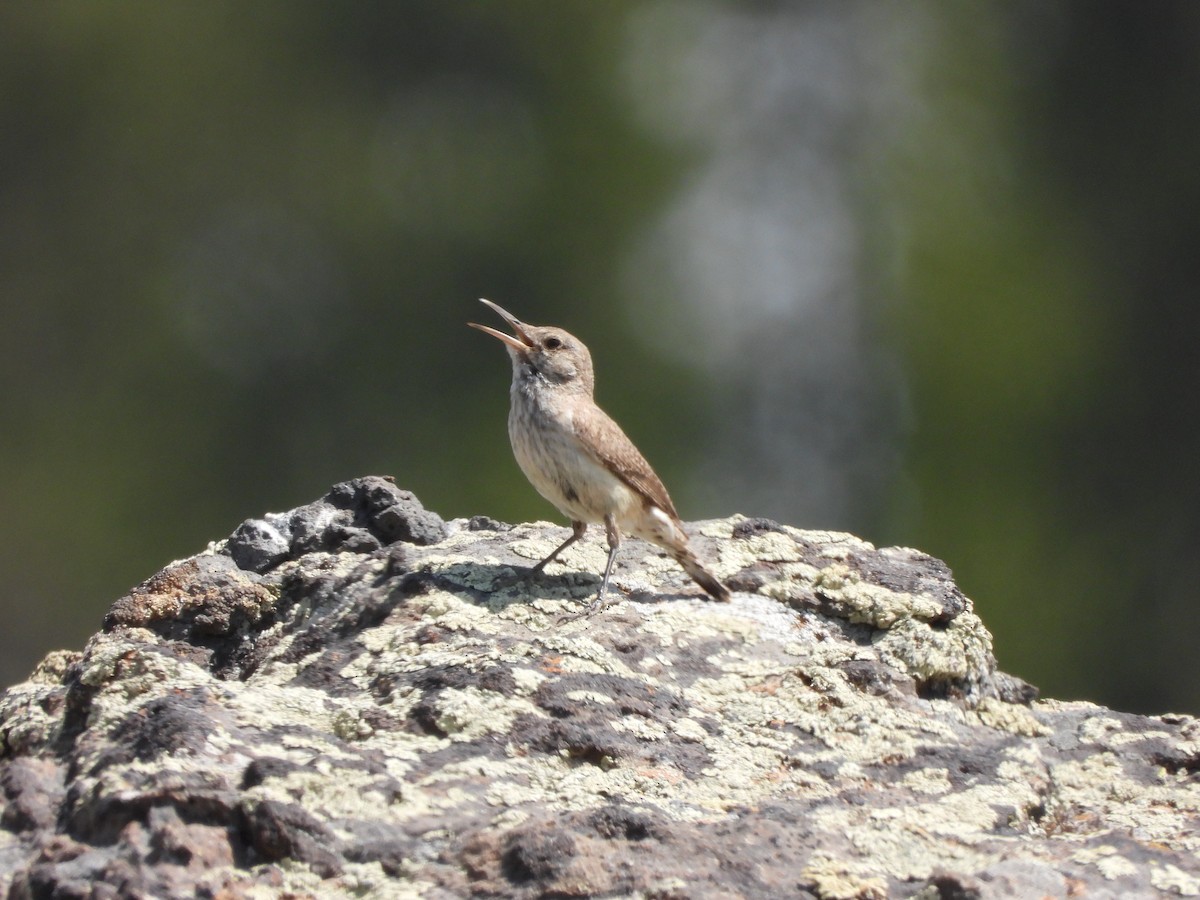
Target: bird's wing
604 439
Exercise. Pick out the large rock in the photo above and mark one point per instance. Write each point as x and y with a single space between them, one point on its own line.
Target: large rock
357 699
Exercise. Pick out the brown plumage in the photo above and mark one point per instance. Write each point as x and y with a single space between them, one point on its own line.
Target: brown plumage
578 458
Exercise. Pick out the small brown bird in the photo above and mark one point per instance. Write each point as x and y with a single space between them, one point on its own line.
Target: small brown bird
578 458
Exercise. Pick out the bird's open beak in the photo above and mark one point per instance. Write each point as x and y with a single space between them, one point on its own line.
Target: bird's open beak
522 342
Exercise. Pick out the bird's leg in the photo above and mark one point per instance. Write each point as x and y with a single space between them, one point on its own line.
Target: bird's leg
577 530
614 544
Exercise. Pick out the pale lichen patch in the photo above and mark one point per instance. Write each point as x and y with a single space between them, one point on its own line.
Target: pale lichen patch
770 546
832 544
690 730
928 781
719 529
961 651
638 727
683 623
448 611
1107 860
370 880
528 680
1174 880
871 604
465 714
282 705
995 713
1100 729
969 815
27 719
575 652
53 666
350 725
834 879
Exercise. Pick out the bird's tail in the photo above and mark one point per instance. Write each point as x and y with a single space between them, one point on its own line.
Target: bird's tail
706 579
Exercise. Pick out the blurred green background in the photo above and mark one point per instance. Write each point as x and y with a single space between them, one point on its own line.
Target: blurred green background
925 272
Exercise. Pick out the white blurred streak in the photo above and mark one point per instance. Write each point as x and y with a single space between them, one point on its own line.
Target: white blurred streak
750 240
764 246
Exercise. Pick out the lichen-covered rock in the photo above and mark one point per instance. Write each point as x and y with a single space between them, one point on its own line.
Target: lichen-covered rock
357 699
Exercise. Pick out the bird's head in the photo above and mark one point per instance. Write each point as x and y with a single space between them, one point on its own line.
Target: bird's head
543 352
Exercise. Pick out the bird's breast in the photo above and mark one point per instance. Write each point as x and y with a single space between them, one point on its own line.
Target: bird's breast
559 466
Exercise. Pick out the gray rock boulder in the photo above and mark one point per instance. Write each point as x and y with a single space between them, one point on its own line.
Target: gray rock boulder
358 699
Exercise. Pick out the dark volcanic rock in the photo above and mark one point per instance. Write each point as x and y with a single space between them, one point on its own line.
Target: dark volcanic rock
357 516
355 698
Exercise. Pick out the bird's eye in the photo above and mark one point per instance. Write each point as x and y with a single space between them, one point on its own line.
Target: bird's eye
551 343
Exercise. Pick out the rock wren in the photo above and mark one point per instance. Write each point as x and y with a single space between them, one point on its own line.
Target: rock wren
578 458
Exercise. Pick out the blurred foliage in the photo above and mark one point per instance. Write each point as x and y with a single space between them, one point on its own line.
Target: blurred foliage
239 243
1052 208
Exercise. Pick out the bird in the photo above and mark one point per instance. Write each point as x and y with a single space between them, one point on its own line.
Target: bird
578 458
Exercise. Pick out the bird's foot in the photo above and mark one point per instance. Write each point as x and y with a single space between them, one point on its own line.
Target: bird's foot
598 605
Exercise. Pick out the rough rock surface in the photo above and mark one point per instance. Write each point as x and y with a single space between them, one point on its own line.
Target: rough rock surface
357 699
